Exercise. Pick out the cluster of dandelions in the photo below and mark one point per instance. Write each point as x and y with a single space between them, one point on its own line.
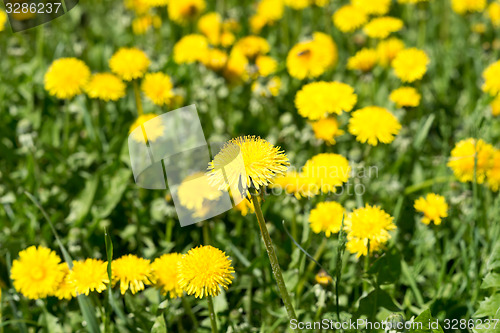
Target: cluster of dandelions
202 271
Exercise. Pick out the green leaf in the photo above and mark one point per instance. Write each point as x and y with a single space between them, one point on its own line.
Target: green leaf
387 268
116 186
490 307
428 324
80 206
492 280
376 299
159 326
424 130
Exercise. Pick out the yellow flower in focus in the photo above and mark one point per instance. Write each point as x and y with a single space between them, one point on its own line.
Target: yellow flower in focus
37 273
203 270
410 64
373 7
405 96
311 58
368 224
328 170
141 24
183 11
166 270
373 124
129 63
105 86
158 88
327 129
191 48
195 190
65 289
245 206
132 272
3 20
495 106
266 65
388 49
261 163
468 6
300 185
154 128
317 99
215 60
433 206
89 275
494 13
382 27
364 60
349 18
66 77
465 154
252 46
270 10
326 217
493 174
491 76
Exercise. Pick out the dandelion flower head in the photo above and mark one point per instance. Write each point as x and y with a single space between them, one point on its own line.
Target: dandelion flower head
89 275
373 124
66 77
326 217
166 270
105 86
132 272
129 63
433 206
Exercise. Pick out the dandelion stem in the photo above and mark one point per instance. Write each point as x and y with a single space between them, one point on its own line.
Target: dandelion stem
137 95
213 321
367 266
285 296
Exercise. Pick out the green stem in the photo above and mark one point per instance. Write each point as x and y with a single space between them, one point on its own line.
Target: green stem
168 230
213 321
66 126
310 267
137 95
285 296
367 266
206 233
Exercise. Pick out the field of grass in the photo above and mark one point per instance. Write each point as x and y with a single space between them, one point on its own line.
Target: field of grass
380 253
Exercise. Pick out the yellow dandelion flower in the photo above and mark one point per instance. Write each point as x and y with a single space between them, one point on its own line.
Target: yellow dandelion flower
261 163
491 76
268 89
326 217
89 275
328 170
270 10
195 190
132 272
494 13
166 270
465 154
140 7
191 48
297 4
105 86
405 96
327 129
66 77
493 174
479 28
323 278
368 224
373 7
311 58
468 6
382 27
215 60
141 24
373 124
364 60
433 206
349 18
155 128
236 69
317 99
266 65
203 270
257 22
388 49
65 289
410 64
183 11
252 46
298 184
210 25
129 63
3 20
495 106
37 273
158 88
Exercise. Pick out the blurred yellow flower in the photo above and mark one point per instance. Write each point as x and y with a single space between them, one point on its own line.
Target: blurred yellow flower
491 76
297 4
328 170
323 278
382 27
349 18
215 60
364 60
203 270
479 28
140 7
245 206
129 63
433 206
269 88
266 65
141 24
132 272
412 1
158 88
466 154
373 124
493 174
252 46
270 10
210 25
405 96
468 6
257 22
327 129
105 86
317 99
37 273
410 64
155 128
236 69
375 7
326 217
298 184
191 48
495 106
157 3
66 77
368 224
3 20
261 163
65 289
195 191
388 49
183 11
494 13
89 275
166 270
311 58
